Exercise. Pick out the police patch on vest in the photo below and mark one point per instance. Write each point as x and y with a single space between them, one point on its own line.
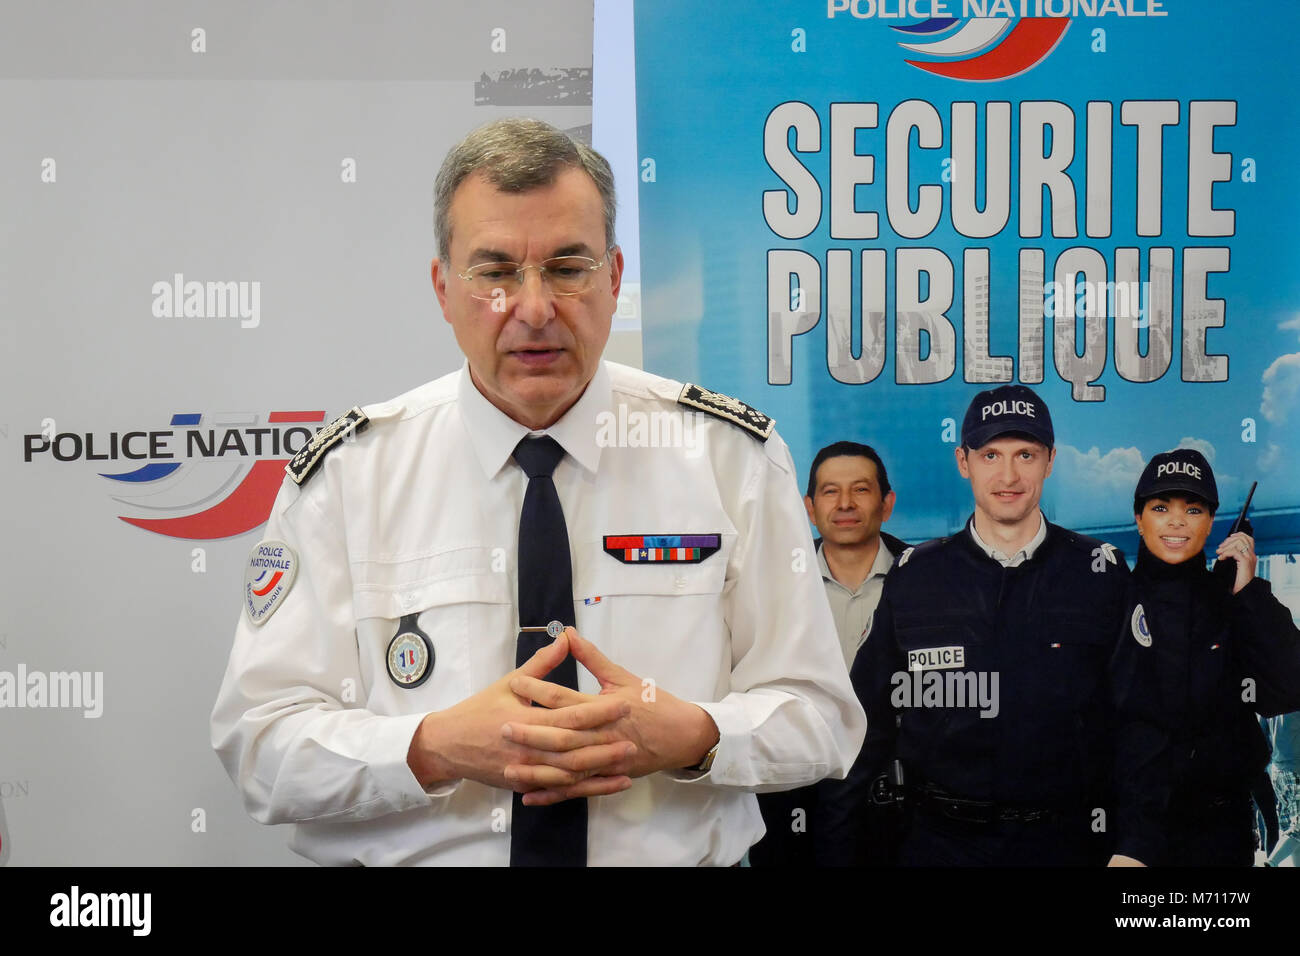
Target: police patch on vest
728 408
936 658
268 576
674 548
304 463
1141 632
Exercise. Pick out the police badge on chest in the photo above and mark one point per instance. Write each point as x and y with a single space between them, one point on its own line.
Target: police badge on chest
410 654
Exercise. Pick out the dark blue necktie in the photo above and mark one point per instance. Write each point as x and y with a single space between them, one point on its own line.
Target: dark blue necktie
554 835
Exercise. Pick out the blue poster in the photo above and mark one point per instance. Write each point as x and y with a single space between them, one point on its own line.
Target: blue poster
856 214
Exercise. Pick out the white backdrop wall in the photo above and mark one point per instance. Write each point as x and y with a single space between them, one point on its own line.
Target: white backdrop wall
281 155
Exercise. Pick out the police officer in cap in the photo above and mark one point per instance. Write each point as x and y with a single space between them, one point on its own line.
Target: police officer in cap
990 677
1225 649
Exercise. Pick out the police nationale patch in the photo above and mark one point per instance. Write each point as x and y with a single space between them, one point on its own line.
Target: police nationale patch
729 409
268 576
675 548
302 465
410 655
1141 631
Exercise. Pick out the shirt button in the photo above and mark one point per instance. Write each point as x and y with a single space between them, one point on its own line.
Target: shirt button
679 583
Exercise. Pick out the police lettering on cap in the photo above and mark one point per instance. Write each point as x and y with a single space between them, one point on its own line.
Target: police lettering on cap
1005 410
1181 471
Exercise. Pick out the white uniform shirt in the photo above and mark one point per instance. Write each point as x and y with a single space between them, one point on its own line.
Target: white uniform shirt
420 514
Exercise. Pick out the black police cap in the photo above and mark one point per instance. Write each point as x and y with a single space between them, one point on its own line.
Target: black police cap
1184 471
1003 410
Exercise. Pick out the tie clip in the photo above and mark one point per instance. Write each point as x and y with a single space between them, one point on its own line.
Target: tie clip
554 629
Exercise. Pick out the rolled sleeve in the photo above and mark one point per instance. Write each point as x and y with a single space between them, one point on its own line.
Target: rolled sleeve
280 725
791 717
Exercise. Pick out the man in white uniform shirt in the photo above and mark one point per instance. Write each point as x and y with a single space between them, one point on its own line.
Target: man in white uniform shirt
384 693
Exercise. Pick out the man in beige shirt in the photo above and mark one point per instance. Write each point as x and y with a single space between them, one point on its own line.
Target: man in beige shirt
849 498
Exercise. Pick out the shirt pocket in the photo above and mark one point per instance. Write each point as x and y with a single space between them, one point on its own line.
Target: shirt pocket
663 621
943 640
451 599
1076 651
938 649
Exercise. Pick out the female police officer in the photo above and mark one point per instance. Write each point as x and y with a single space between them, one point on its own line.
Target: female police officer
1224 648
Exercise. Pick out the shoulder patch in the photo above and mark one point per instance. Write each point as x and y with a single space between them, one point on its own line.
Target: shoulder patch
923 549
1139 626
1080 541
304 463
268 575
727 408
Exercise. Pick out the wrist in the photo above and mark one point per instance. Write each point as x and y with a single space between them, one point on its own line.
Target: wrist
705 741
425 755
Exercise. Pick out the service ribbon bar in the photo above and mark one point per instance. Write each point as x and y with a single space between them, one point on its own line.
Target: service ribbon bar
676 548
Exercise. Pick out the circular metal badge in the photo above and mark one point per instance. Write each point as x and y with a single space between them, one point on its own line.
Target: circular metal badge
554 629
410 659
1141 631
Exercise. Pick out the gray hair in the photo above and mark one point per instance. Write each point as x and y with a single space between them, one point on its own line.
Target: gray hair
516 155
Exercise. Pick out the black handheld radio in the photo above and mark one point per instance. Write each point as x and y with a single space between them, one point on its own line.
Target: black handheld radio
1227 567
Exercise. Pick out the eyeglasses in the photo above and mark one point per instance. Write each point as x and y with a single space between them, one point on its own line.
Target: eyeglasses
565 275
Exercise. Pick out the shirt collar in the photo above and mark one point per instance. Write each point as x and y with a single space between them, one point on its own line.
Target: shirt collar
494 434
1021 556
884 561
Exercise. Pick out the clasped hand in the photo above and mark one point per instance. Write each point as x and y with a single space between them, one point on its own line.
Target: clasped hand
574 744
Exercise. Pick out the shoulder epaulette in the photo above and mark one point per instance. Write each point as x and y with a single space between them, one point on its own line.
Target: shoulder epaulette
302 465
729 409
1093 547
924 547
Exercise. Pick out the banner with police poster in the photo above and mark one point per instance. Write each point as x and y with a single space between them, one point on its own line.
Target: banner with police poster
858 213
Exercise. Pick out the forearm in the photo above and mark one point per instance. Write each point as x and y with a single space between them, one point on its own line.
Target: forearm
297 762
770 740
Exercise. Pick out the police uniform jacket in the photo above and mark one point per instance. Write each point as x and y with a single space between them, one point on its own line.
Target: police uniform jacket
416 519
1221 658
1048 628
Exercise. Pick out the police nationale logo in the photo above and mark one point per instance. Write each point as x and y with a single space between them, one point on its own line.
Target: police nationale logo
202 477
268 576
983 48
1141 632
